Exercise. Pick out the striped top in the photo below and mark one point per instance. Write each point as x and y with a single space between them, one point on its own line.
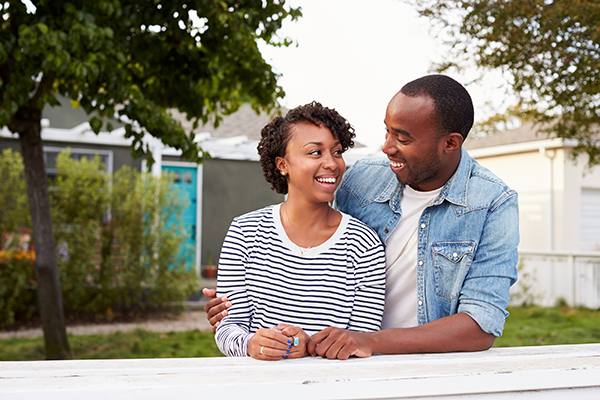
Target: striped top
340 283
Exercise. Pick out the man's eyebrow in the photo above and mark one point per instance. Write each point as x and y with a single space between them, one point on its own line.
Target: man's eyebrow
402 132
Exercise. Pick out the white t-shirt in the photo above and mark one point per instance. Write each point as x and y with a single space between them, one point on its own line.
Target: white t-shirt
401 261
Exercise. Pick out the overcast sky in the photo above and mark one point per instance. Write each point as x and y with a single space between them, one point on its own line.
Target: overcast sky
354 55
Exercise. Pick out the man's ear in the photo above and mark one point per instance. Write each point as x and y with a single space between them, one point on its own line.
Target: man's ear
453 142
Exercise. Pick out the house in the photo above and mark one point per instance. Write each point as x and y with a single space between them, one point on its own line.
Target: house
559 214
559 198
228 184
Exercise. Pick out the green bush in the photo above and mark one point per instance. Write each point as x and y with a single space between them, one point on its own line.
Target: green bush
143 252
79 201
119 240
13 195
16 285
16 271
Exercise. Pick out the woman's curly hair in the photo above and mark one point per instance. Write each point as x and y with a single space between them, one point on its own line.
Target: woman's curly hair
276 135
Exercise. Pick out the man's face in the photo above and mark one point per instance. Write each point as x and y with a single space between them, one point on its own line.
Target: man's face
413 144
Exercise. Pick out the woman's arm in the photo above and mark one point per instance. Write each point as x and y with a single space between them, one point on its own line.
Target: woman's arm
232 335
369 298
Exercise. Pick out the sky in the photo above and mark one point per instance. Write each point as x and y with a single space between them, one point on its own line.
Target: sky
354 55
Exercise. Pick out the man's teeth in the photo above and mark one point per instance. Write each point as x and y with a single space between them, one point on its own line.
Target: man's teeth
396 164
326 180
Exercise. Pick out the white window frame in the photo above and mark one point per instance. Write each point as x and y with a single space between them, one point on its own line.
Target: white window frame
108 167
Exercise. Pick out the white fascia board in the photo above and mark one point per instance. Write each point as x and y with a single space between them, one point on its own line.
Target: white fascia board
525 147
81 133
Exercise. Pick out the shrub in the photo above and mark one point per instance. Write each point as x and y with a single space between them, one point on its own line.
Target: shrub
17 284
143 252
119 242
79 201
16 269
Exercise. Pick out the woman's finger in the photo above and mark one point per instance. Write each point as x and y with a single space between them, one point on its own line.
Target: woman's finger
269 344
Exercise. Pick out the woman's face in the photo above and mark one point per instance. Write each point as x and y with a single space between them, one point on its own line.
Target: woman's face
313 163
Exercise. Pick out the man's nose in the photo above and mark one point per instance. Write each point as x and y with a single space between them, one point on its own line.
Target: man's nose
388 145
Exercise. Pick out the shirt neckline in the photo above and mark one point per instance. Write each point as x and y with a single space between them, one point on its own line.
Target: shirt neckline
313 251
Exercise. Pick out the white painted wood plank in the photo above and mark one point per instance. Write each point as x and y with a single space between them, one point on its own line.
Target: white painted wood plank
523 371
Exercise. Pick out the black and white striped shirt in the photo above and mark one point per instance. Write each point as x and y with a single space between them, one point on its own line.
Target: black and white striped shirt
339 283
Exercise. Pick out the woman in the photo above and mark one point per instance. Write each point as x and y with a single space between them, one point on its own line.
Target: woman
293 269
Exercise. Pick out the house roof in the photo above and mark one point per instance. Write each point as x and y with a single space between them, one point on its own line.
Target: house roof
245 121
236 137
525 133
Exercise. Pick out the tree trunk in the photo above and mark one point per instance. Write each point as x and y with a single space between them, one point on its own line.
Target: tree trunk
27 123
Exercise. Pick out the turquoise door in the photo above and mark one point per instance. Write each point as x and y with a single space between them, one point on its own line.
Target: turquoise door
185 179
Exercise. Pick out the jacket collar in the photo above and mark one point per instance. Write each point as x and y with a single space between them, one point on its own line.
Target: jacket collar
455 190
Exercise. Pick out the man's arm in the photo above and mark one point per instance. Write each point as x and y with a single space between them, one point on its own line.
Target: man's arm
458 332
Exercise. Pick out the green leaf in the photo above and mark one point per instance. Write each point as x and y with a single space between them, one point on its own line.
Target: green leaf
96 124
43 28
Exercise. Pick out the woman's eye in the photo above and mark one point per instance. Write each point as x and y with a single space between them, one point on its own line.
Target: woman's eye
315 152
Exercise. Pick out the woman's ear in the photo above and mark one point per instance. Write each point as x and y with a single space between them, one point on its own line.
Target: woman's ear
281 165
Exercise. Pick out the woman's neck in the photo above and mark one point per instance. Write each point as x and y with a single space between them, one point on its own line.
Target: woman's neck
307 225
304 215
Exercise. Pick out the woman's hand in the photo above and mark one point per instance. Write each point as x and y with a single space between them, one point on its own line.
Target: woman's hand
299 340
270 344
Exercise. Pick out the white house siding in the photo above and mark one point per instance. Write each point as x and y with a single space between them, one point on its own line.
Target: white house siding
590 220
528 174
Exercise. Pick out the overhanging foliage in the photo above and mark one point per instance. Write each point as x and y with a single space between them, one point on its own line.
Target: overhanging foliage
549 48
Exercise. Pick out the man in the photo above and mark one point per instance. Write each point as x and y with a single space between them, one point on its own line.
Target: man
449 225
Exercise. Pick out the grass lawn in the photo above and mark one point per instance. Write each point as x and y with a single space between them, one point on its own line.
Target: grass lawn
526 326
135 344
533 326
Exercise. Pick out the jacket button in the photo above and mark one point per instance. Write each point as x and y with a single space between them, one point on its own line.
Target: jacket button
454 255
423 226
386 231
420 302
421 262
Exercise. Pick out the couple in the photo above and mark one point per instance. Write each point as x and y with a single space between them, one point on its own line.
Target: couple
303 279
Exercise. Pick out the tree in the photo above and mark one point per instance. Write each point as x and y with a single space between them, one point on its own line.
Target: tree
131 58
550 49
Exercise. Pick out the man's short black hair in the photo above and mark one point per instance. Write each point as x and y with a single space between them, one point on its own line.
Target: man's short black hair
453 107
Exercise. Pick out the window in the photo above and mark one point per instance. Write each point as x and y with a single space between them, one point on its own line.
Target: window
50 154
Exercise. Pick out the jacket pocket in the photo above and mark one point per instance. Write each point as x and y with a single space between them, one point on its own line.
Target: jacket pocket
451 262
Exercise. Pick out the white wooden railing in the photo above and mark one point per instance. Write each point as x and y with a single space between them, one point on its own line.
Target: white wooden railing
546 277
545 372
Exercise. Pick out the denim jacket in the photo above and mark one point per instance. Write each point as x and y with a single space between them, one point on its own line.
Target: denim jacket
467 259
